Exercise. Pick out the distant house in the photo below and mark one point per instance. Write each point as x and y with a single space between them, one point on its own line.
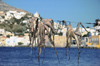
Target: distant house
56 25
27 41
98 22
2 13
95 39
36 14
19 15
64 30
25 21
97 28
2 31
8 15
3 40
1 19
92 31
9 33
91 41
22 39
12 41
0 43
60 41
26 34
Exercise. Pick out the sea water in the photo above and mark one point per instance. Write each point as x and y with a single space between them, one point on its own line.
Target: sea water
21 56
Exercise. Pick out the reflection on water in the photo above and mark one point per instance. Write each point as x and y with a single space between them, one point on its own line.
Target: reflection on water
78 58
21 56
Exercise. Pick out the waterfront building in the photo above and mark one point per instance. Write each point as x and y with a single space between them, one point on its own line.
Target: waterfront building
93 41
3 40
12 41
23 39
98 45
0 43
60 41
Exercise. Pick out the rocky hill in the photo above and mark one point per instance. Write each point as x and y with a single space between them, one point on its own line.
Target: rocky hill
5 7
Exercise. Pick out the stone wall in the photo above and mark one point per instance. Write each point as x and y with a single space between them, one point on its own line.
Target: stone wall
60 41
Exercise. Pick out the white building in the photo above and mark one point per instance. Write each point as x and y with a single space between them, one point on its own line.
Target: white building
56 25
9 15
23 40
0 43
91 30
25 21
1 19
36 15
2 31
64 30
17 15
12 41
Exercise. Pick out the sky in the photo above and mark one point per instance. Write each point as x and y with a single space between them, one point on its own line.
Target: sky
70 10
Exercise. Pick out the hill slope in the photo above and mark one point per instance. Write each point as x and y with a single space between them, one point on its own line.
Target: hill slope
5 7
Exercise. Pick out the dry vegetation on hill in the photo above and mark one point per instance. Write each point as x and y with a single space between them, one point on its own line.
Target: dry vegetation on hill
5 7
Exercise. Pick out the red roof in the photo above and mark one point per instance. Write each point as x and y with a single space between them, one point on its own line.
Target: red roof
4 37
21 36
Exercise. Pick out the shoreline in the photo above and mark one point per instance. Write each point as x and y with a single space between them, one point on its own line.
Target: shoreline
55 47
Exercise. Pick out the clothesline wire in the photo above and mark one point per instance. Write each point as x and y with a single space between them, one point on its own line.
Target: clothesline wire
74 22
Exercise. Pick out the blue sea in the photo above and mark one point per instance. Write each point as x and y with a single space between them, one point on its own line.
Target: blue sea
21 56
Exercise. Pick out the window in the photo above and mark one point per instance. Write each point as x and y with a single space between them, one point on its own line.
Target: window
8 41
3 40
86 39
82 38
14 41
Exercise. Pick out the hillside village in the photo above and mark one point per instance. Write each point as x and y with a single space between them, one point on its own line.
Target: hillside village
14 30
